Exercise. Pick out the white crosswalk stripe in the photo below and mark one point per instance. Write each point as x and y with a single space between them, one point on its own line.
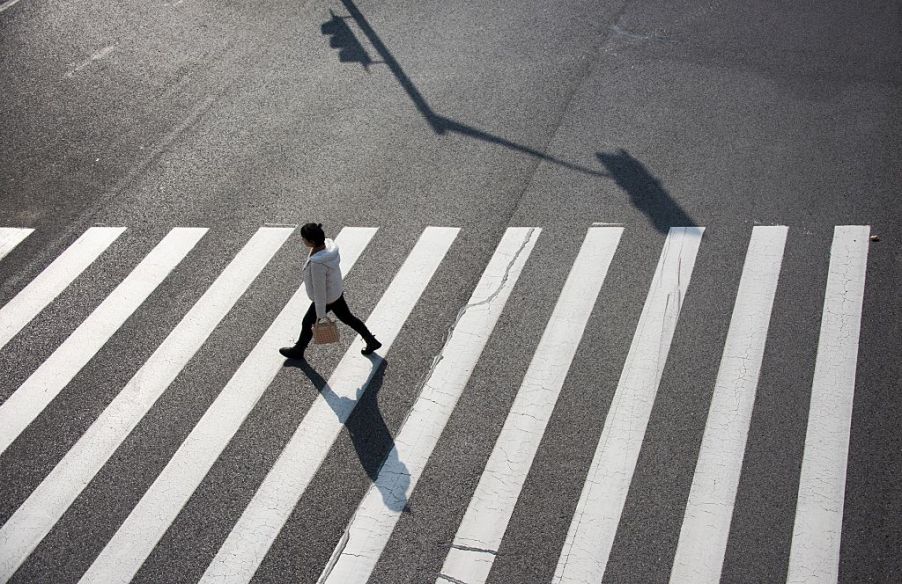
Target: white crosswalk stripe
490 518
706 525
36 516
41 291
159 506
597 515
814 555
359 549
22 407
10 237
264 516
479 535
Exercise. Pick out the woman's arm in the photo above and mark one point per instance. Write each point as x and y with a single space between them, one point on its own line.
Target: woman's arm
318 278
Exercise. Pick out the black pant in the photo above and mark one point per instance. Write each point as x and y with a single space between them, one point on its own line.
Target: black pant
341 310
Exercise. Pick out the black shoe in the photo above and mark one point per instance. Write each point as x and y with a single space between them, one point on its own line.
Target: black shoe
370 347
292 352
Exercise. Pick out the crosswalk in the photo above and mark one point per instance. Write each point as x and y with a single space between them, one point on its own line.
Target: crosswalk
586 539
703 537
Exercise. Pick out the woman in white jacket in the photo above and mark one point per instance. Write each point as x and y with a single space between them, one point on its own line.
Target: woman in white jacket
322 278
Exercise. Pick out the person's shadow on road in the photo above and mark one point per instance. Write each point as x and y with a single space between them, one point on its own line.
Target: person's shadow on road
371 437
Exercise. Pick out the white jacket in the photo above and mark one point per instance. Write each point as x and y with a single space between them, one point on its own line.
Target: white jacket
322 277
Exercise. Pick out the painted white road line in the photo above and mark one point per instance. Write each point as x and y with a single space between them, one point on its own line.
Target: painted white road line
8 4
10 237
23 406
98 55
591 533
814 555
49 501
135 539
272 504
709 511
480 533
369 529
53 280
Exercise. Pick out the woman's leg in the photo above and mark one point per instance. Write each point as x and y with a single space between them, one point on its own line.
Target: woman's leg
307 328
297 351
341 310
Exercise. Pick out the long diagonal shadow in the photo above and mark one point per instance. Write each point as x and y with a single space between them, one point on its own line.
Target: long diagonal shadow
371 437
439 123
643 188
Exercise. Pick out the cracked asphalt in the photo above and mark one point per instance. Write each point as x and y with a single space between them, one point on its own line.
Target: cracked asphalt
484 116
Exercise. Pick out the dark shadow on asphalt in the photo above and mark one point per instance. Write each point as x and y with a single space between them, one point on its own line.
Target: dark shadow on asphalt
371 437
342 38
645 191
439 124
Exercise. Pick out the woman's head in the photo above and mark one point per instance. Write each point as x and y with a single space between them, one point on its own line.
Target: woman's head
313 234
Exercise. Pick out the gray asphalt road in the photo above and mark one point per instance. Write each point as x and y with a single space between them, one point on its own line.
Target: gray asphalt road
482 116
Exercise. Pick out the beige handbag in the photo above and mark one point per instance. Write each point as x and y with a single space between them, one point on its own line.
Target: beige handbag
325 331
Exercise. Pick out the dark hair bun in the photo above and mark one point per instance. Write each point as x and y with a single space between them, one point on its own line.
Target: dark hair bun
313 232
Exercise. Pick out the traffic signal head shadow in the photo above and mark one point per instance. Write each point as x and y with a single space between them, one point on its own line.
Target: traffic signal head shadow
342 38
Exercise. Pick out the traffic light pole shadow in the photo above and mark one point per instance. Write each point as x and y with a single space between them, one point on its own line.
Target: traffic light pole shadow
645 191
350 50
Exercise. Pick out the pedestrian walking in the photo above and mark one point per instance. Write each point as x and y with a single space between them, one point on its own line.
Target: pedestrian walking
322 278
